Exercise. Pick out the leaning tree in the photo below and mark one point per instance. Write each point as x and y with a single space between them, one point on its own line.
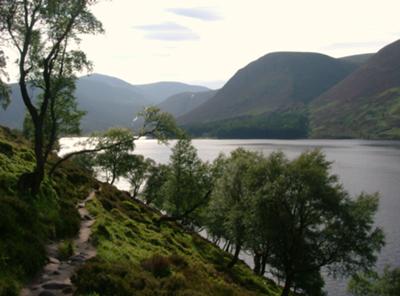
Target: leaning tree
45 35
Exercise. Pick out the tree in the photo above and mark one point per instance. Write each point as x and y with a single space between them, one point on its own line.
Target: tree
138 172
115 161
313 223
373 284
4 91
152 193
267 170
64 122
187 185
159 125
43 33
229 210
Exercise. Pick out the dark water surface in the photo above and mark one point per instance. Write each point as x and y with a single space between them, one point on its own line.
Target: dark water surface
369 166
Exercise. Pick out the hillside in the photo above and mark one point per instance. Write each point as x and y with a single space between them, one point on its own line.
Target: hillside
364 105
358 59
98 95
182 103
136 253
276 81
159 91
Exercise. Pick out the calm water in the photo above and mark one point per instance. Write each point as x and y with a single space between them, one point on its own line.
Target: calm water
369 166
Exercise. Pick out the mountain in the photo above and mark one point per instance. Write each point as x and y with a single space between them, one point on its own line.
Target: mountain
182 103
358 59
99 95
159 91
276 81
268 97
364 105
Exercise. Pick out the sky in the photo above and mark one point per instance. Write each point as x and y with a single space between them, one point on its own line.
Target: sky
206 41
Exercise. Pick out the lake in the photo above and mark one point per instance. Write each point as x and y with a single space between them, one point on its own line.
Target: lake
369 166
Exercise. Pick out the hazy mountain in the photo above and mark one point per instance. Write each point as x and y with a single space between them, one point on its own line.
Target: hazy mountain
358 59
109 101
159 91
364 105
182 103
276 81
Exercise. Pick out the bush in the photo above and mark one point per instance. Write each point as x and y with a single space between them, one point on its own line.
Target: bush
65 249
158 265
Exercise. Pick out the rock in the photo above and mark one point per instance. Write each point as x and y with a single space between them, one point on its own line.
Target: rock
56 285
87 217
51 267
46 293
67 290
54 260
56 272
77 258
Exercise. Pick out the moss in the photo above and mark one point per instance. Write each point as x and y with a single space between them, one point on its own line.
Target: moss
136 256
26 223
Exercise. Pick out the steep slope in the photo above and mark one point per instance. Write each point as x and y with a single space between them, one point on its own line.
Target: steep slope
182 103
276 81
136 253
364 105
139 255
159 91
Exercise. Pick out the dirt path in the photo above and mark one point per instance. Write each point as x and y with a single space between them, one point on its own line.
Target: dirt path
55 279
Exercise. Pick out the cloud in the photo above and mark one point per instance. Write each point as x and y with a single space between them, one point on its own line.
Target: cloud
201 13
172 36
166 26
168 31
362 44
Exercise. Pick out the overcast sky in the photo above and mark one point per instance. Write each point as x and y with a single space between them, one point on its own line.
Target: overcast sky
207 41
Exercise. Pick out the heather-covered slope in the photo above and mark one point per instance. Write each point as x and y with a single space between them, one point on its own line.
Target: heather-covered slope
365 104
276 81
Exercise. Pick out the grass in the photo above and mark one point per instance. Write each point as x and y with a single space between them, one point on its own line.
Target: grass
136 255
26 223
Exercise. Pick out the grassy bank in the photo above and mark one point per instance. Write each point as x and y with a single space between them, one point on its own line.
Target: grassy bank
137 255
27 224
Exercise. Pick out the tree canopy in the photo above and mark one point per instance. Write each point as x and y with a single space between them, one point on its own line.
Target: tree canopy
45 34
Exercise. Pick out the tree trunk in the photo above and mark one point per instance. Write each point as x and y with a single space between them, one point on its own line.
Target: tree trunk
40 160
263 264
286 288
257 263
235 256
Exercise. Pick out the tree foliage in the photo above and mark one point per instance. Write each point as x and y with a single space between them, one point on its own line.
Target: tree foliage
138 172
373 284
115 161
4 90
295 217
187 185
45 34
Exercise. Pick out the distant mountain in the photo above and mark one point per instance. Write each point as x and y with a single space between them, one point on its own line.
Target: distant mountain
282 82
109 101
159 91
182 103
364 105
358 59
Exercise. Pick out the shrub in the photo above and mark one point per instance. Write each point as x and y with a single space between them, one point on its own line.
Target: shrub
158 265
65 249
